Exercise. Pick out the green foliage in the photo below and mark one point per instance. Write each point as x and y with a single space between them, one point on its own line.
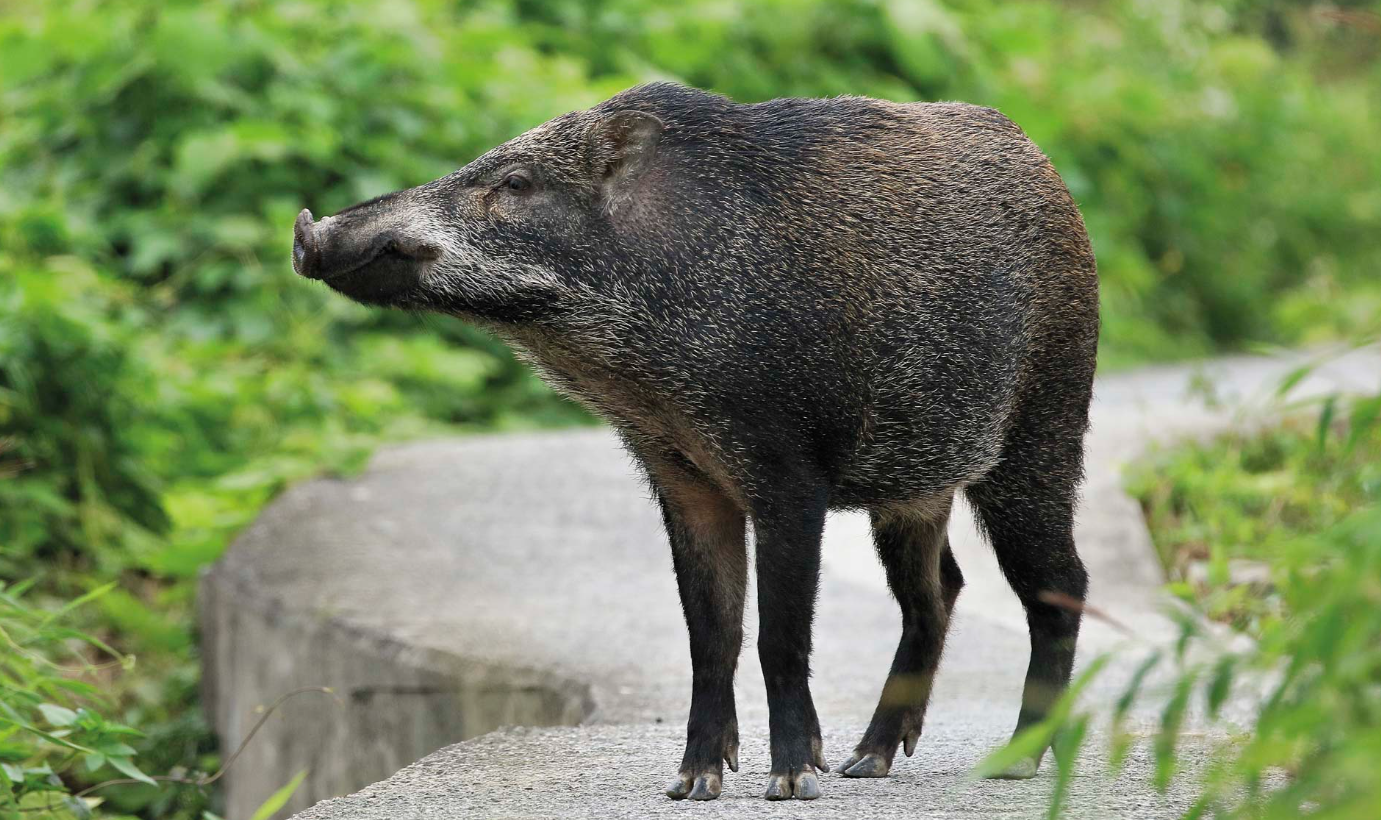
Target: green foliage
50 723
1254 496
1063 732
163 374
54 731
66 409
1313 741
1304 498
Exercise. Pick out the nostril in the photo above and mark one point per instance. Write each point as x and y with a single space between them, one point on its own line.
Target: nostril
409 248
406 247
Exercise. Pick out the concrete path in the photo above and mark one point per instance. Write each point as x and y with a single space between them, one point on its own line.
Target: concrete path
460 585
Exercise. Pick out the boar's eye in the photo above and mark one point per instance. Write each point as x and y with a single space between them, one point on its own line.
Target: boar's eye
517 183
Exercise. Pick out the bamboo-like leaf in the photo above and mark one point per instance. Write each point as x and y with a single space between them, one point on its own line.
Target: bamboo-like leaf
280 798
1036 739
17 589
1221 684
1122 742
1330 407
1189 629
1068 742
1129 695
1293 378
77 602
1364 414
1026 745
1120 745
1168 738
19 721
1200 807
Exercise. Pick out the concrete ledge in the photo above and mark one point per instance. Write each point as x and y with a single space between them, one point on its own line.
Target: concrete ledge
411 627
393 702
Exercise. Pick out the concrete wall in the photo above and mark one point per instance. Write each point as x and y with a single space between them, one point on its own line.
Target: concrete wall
392 704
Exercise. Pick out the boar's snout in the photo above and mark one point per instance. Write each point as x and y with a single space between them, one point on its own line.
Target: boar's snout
358 256
304 246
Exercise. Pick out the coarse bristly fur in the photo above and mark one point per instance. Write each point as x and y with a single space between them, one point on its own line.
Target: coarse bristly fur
786 308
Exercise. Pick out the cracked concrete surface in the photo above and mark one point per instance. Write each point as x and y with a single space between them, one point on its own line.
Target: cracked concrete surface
461 585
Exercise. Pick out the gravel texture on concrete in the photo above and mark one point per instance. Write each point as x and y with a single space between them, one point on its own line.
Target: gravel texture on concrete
539 559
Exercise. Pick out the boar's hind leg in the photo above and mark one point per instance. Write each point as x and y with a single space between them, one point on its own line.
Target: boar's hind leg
709 554
925 580
1026 505
788 525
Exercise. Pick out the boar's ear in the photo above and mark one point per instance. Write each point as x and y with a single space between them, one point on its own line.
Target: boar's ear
624 145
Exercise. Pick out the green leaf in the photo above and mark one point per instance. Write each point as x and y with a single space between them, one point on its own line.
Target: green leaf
17 590
1294 377
1189 629
279 798
128 769
1201 806
1330 406
1037 738
1364 414
57 715
78 602
1221 684
1168 737
1068 742
1129 695
1026 745
1122 742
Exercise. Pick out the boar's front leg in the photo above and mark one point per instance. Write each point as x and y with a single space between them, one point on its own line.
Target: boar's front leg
707 546
788 526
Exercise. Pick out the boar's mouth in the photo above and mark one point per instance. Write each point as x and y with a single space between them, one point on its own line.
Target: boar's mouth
360 260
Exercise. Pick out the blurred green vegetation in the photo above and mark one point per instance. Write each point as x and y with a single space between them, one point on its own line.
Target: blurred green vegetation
1252 496
163 374
1296 491
1300 498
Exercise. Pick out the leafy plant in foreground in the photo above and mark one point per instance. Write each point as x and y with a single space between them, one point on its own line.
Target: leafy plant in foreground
1311 675
51 721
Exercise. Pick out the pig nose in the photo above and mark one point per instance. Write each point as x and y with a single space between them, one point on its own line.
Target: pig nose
306 253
